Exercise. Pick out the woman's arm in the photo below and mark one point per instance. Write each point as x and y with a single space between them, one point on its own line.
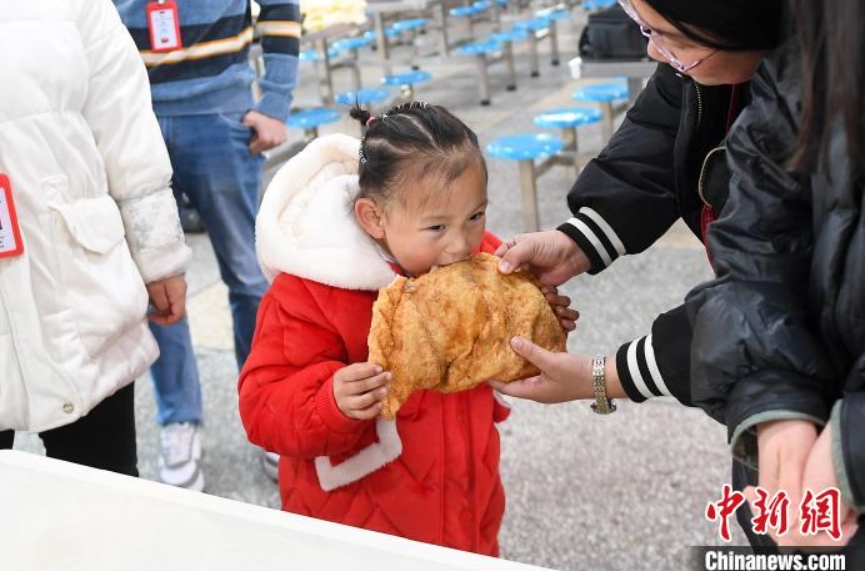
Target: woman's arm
756 356
120 115
625 199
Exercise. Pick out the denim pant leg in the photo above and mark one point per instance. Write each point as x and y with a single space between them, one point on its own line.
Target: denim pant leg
176 381
222 181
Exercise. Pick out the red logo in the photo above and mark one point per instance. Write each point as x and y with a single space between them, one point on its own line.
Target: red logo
773 514
821 513
724 508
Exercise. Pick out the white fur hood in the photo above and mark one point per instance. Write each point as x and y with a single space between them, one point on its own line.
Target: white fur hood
306 225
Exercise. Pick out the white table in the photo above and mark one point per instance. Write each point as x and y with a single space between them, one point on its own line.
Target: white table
61 516
635 71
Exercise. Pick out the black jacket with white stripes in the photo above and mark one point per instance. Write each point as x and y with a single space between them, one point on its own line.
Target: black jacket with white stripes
664 163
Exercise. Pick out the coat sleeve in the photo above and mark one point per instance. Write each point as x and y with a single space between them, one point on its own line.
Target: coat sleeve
848 448
286 386
279 27
118 111
756 354
625 199
657 364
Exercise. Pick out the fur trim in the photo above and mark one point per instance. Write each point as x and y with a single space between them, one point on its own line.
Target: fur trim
306 225
375 456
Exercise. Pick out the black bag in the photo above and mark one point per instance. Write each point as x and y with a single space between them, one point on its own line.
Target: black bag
612 34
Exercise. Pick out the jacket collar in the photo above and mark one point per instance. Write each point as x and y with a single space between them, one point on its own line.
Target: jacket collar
306 225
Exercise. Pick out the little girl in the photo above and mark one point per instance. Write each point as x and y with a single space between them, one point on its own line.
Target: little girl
333 230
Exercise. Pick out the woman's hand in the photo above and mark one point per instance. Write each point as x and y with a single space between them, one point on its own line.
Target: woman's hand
168 300
551 256
564 377
561 306
793 459
359 388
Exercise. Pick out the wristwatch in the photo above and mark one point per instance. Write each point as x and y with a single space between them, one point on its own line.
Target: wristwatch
602 404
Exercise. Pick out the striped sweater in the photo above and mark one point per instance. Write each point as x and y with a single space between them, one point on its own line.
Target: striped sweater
211 73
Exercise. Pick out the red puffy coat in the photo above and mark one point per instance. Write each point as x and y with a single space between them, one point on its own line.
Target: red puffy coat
432 475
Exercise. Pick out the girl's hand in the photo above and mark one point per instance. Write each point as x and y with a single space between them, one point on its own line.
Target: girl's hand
793 460
561 306
359 388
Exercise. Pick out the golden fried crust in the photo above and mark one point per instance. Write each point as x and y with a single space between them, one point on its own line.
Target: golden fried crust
449 330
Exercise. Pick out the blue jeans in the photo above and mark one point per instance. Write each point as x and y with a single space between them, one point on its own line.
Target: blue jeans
213 167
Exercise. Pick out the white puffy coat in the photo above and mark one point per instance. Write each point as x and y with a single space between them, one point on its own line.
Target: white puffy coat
90 179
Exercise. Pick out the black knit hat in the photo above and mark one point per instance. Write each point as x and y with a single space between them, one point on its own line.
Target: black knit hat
730 25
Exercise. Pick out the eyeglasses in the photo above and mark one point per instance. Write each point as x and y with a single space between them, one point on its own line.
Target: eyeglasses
657 40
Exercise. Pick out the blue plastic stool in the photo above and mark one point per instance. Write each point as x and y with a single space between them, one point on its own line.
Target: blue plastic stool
390 32
405 25
464 11
602 92
308 55
568 117
568 120
605 95
482 47
311 119
348 44
486 53
556 14
365 97
534 28
510 36
407 81
534 25
598 4
525 148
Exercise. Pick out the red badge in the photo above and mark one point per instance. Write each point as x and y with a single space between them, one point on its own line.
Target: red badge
164 24
10 234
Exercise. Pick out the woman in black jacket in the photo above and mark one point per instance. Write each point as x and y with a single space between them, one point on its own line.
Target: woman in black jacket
665 162
779 336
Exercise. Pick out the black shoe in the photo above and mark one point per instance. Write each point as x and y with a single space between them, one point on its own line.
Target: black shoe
191 221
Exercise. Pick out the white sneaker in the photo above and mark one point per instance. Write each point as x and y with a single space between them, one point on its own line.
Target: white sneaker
180 456
270 464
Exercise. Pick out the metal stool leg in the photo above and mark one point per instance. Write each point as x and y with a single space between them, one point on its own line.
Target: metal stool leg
485 79
508 54
554 43
355 70
607 110
310 134
570 137
533 54
407 92
528 186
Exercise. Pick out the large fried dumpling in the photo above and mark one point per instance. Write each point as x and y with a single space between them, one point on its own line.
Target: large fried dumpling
450 329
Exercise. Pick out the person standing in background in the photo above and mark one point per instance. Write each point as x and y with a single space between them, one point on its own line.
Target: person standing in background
88 231
197 56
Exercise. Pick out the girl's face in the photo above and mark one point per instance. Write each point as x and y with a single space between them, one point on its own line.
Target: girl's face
715 67
431 226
